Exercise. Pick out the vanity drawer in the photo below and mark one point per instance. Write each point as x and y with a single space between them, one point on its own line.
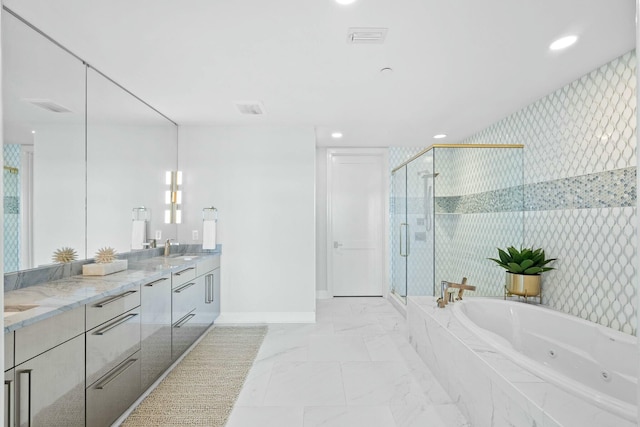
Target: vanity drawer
182 276
39 337
112 306
208 264
114 392
184 299
111 343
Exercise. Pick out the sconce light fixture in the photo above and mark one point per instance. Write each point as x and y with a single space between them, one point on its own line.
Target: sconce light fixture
173 198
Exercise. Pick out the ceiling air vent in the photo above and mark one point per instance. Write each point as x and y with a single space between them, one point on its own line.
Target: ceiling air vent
49 105
251 108
366 35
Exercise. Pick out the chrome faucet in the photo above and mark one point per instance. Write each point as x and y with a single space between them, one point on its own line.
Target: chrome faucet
167 247
446 296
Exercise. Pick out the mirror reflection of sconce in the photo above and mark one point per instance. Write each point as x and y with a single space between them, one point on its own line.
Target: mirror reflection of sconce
173 198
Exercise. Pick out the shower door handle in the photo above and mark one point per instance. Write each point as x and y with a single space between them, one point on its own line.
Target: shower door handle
406 239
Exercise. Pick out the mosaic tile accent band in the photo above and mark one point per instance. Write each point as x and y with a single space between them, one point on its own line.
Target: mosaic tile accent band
616 188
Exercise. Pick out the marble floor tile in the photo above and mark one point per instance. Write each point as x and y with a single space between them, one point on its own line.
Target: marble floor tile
284 347
348 416
339 348
353 367
428 415
266 416
255 384
382 348
380 383
305 384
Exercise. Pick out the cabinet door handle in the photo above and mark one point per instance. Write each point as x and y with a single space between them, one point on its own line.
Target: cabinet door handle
115 373
150 284
183 287
113 299
184 320
21 420
209 288
115 324
182 271
8 422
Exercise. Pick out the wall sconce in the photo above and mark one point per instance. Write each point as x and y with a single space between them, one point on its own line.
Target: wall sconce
173 198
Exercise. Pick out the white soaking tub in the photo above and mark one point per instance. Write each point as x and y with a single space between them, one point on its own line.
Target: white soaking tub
507 363
596 363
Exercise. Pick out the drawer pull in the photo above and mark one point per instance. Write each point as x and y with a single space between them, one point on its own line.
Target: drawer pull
24 420
183 287
115 373
115 324
150 284
184 320
182 271
7 396
114 299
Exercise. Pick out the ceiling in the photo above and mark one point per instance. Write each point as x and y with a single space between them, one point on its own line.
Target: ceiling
458 66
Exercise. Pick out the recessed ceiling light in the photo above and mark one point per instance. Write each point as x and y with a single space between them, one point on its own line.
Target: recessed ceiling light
336 135
345 1
386 70
33 131
563 42
440 136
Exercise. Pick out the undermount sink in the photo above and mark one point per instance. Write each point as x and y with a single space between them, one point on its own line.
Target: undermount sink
18 308
184 257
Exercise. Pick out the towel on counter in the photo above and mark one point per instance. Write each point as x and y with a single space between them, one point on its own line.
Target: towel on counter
209 234
139 234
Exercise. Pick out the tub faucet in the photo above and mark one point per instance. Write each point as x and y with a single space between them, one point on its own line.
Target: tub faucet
446 296
167 247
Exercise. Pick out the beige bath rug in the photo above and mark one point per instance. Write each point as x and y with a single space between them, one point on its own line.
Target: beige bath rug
202 389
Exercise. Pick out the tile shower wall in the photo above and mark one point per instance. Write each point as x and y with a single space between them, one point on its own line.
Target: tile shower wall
580 191
11 182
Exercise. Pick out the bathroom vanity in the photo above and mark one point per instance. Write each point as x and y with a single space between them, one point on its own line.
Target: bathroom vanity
79 351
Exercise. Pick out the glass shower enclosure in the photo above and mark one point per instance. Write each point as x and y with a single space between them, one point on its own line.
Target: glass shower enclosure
451 207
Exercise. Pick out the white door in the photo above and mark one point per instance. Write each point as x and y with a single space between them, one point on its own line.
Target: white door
356 224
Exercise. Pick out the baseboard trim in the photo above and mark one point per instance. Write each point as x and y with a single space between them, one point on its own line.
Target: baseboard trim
267 317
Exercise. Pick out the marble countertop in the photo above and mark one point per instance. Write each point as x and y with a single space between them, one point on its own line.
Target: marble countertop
58 296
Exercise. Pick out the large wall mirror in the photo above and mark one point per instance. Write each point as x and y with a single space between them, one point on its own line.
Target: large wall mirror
80 153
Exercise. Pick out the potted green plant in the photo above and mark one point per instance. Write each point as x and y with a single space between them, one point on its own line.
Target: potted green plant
523 269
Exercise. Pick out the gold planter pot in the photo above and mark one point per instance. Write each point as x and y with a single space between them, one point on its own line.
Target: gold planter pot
523 285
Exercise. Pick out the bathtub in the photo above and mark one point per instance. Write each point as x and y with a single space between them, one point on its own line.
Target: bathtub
596 363
510 363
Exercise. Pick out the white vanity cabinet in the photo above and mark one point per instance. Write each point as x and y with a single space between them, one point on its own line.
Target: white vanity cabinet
155 345
113 365
49 372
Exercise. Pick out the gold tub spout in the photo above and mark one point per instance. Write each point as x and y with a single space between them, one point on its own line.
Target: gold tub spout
446 297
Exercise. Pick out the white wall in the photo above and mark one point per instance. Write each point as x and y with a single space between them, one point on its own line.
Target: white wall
321 223
261 179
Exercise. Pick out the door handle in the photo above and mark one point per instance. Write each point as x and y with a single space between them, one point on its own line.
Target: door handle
336 245
406 240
